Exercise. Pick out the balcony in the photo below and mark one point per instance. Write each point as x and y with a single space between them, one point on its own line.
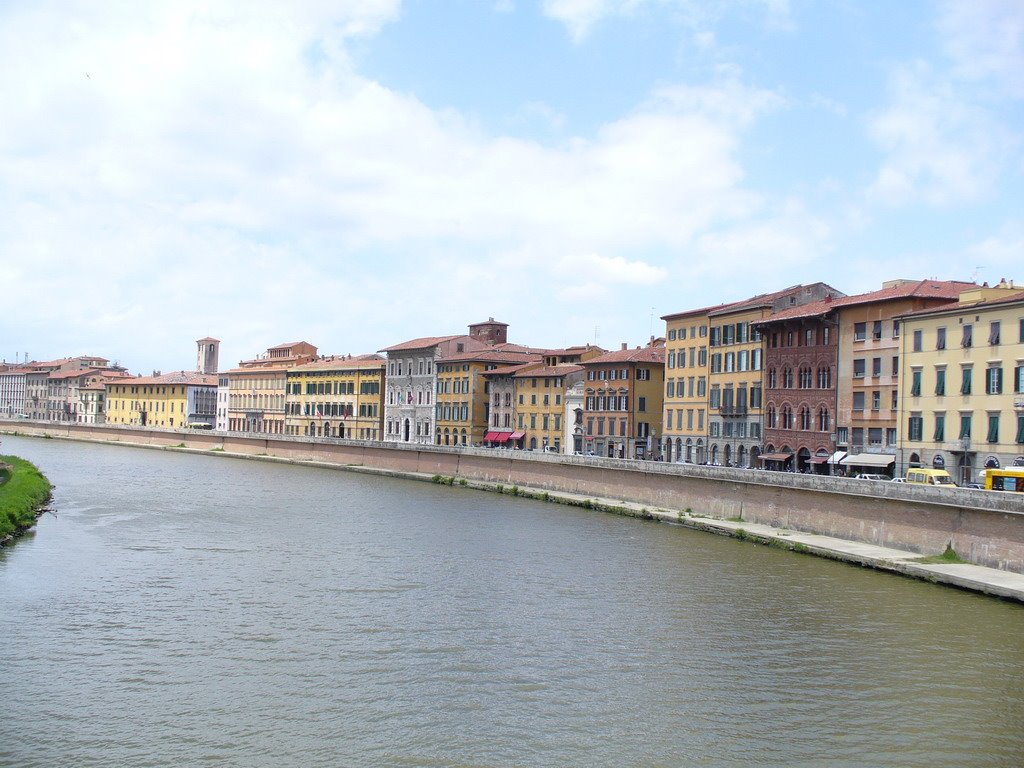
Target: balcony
732 410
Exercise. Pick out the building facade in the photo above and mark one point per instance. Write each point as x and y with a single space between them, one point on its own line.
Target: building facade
685 397
12 391
962 384
338 396
170 400
867 407
256 388
623 402
540 408
735 372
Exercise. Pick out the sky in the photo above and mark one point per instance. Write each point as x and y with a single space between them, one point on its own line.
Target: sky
356 173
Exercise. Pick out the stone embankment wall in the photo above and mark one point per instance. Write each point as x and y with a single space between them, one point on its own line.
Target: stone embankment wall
984 527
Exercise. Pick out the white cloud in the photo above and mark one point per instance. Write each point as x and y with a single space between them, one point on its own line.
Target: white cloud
939 147
985 40
177 171
580 16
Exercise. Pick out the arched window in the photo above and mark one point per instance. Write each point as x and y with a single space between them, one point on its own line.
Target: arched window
787 378
772 381
805 418
787 417
823 420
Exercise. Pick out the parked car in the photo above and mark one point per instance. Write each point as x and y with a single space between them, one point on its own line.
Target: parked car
869 476
899 480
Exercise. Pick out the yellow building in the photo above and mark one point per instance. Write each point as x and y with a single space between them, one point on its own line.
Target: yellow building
686 385
624 393
462 401
339 396
961 396
540 410
172 400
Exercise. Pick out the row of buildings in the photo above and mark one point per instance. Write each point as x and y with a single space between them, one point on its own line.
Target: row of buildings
804 379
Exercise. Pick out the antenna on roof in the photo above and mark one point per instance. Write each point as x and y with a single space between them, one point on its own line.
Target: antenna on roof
974 276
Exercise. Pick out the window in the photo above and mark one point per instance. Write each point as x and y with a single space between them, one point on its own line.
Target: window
915 387
940 427
671 359
994 380
875 436
940 338
877 333
860 331
895 329
1018 379
858 368
918 336
993 333
641 404
672 335
968 337
858 401
915 427
809 337
876 366
1020 429
965 381
670 388
876 400
965 426
993 428
895 366
940 381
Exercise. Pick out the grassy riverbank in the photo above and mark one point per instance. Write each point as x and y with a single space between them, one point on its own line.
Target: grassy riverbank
23 490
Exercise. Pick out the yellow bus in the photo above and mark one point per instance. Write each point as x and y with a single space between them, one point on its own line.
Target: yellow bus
1006 479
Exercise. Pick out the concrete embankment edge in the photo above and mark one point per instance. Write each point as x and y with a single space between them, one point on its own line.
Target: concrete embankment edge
976 578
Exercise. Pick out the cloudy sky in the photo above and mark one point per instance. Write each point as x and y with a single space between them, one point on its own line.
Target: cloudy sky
358 172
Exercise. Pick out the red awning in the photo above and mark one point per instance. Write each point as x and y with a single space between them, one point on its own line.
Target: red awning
490 437
517 436
818 459
501 437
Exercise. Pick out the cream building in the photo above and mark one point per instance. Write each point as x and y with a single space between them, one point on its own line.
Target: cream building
961 396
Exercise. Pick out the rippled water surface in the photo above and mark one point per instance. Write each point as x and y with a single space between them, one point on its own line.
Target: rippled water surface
200 610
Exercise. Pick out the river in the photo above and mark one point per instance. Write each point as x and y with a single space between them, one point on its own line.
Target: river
181 609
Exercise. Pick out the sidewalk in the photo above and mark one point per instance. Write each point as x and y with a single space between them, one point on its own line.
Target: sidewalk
977 578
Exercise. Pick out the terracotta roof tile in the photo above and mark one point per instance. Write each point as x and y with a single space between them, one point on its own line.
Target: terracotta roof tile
341 362
549 370
944 289
420 343
641 355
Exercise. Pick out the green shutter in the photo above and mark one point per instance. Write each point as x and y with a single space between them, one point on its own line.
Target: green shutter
1020 429
965 387
940 428
993 429
965 427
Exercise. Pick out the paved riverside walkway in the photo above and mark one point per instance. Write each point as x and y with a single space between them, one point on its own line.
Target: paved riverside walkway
977 578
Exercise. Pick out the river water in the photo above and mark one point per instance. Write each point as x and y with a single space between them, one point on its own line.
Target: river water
184 609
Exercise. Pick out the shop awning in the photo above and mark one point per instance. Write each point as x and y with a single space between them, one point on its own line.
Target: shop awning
775 456
501 437
517 436
836 457
490 437
869 460
818 459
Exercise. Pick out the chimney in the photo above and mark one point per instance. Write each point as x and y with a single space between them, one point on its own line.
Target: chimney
625 346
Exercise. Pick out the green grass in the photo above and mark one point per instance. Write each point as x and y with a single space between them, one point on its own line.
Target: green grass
949 556
23 491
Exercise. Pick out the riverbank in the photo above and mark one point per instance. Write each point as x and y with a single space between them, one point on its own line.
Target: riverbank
24 491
